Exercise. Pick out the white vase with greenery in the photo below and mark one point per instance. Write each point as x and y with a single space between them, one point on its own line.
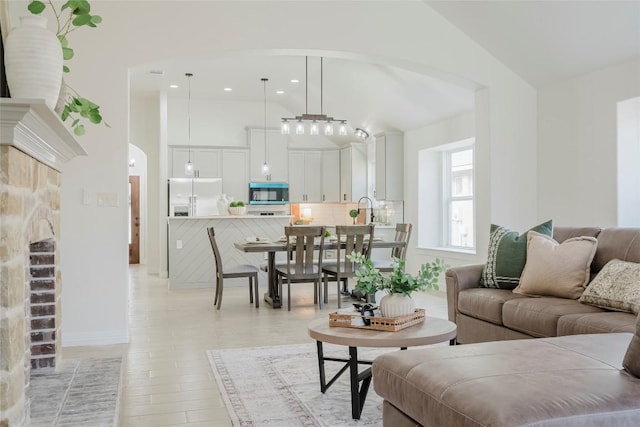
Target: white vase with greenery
68 17
398 284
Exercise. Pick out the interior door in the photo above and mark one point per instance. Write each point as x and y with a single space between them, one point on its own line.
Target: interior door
134 220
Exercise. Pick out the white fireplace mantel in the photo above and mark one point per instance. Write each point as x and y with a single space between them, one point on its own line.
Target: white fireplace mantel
32 127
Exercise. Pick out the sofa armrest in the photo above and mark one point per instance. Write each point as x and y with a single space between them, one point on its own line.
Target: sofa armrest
459 279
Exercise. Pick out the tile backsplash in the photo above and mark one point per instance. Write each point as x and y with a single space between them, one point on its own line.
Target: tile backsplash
386 213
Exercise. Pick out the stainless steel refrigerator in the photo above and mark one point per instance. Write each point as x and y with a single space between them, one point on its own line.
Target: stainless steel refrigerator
194 196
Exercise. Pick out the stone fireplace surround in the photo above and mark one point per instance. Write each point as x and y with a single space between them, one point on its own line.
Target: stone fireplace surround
34 145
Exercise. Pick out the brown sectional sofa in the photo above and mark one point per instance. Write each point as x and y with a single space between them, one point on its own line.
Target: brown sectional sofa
483 314
571 376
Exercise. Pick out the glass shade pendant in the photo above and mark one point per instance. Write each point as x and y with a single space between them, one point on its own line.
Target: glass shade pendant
299 129
188 168
342 130
266 169
314 129
285 129
328 129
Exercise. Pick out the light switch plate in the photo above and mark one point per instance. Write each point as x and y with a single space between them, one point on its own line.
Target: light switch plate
87 197
107 199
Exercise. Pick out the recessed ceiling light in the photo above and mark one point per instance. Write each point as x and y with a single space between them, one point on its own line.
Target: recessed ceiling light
279 92
295 81
173 86
227 89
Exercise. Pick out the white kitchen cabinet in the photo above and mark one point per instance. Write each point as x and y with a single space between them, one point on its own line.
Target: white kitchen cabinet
235 173
353 173
389 166
305 184
331 176
277 155
206 162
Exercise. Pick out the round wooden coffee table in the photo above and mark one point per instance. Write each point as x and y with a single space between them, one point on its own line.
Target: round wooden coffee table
432 331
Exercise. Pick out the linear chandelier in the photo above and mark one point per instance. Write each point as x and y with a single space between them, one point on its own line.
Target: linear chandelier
314 120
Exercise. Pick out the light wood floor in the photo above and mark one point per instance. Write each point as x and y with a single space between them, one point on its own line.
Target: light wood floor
167 379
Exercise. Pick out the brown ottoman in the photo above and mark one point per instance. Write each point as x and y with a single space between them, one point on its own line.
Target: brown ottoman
563 381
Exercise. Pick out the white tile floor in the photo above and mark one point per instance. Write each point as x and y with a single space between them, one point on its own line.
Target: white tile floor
167 379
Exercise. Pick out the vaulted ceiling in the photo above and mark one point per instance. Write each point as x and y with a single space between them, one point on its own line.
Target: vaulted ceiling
542 41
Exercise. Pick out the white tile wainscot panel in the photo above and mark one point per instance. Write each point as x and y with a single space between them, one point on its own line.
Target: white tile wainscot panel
193 266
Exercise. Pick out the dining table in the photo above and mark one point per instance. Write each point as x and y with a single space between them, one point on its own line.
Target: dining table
272 296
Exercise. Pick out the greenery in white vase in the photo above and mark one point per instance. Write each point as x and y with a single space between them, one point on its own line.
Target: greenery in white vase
72 15
370 279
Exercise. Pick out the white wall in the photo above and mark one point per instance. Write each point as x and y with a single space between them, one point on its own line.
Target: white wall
628 127
577 148
405 34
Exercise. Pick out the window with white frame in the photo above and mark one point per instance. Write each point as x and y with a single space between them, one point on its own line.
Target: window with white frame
458 221
446 196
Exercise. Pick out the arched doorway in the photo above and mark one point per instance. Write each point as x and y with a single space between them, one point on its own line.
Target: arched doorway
137 205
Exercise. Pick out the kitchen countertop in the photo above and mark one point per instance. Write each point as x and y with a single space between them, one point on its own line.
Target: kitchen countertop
229 217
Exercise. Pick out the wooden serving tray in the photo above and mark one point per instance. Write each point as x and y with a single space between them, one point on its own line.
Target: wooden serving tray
378 323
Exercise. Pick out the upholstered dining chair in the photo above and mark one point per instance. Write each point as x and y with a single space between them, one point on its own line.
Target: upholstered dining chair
301 264
356 238
403 234
244 270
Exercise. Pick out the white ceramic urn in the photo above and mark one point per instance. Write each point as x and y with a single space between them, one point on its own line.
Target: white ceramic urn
394 305
33 61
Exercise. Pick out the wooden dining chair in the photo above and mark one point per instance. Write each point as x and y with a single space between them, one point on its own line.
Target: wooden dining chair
244 270
403 234
301 265
356 238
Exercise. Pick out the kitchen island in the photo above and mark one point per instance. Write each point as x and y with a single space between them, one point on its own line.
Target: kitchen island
191 262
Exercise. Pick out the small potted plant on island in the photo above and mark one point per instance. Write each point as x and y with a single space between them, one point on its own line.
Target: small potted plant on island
398 284
237 208
353 213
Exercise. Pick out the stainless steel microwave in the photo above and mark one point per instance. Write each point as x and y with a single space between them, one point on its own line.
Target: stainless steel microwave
268 193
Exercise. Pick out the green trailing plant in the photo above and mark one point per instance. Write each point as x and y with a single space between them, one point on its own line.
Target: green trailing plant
370 279
236 204
69 17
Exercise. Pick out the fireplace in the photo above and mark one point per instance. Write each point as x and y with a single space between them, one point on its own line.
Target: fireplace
42 304
33 146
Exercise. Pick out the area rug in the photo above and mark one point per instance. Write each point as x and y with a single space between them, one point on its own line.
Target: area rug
280 386
83 392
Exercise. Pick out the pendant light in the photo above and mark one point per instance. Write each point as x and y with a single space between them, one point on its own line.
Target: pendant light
188 167
266 169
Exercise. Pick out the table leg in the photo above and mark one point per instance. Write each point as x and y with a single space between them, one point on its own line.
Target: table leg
272 296
323 381
358 392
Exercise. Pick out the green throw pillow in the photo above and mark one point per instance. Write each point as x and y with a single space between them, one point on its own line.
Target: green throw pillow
507 256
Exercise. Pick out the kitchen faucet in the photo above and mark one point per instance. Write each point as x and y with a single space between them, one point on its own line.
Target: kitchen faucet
370 203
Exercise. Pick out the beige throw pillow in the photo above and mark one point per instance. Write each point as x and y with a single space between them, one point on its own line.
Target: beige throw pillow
616 287
556 269
631 362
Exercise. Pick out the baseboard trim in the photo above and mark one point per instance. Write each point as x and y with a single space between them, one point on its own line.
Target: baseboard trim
75 339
